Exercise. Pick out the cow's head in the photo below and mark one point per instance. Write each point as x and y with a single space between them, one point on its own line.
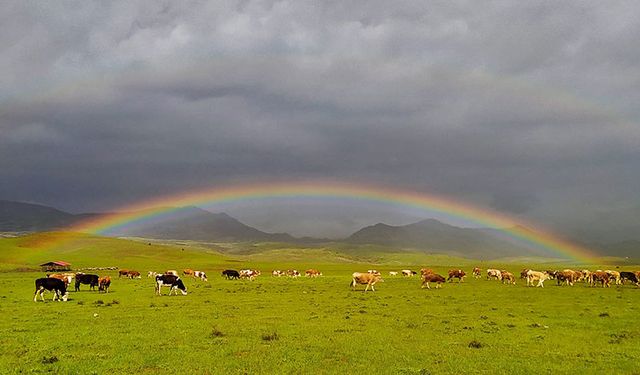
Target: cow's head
180 285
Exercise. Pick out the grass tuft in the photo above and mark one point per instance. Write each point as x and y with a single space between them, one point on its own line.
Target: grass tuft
270 336
475 344
49 360
215 333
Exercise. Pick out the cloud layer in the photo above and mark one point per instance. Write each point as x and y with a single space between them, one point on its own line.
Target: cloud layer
525 108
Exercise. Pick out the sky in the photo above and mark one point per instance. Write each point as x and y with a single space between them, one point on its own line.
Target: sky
525 108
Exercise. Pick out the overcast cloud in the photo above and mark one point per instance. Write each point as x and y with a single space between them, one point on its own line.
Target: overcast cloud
527 108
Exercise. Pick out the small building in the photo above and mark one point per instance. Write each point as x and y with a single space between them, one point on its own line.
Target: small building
56 266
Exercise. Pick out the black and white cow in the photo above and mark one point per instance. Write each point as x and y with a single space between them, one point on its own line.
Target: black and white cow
83 278
51 284
624 275
231 274
172 281
200 275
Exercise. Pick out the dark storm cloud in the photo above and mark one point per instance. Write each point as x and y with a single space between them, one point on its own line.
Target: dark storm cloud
529 108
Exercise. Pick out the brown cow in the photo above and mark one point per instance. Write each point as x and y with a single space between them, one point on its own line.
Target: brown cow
103 284
601 277
566 276
507 277
134 274
432 277
188 272
425 271
365 278
124 273
66 278
459 274
312 273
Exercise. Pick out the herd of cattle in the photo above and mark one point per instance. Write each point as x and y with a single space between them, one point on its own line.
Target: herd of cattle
58 283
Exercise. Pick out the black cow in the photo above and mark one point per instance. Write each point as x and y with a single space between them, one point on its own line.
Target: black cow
624 275
231 274
53 285
82 278
172 281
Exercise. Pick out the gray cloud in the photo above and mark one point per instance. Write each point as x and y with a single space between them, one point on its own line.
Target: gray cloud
492 103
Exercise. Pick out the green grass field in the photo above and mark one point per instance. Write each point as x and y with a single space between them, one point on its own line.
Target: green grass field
281 325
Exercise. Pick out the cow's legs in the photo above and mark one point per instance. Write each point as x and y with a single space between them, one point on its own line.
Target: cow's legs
35 296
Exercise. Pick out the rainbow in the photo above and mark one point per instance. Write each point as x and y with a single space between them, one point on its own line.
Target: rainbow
150 209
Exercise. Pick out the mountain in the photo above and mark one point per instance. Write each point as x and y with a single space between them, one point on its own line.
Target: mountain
434 236
186 223
28 217
192 223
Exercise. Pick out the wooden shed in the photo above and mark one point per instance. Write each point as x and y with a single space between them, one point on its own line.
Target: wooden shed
56 266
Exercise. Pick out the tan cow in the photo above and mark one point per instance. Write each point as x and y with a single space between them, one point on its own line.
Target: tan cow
477 272
493 273
432 277
187 272
66 278
538 276
614 275
365 278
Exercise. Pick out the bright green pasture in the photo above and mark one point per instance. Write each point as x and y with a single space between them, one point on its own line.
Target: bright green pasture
281 325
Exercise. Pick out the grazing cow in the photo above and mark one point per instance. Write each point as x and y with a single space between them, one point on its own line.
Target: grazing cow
393 273
134 274
507 277
231 274
124 273
151 274
523 273
477 272
187 272
600 277
51 284
624 275
430 278
368 278
566 276
614 275
173 282
586 275
459 274
278 273
171 272
252 274
408 273
200 275
312 273
103 284
538 276
493 274
91 280
290 273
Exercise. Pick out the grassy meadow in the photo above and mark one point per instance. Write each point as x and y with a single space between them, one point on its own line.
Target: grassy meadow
282 325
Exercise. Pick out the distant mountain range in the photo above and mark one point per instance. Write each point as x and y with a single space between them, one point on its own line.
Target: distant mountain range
192 223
